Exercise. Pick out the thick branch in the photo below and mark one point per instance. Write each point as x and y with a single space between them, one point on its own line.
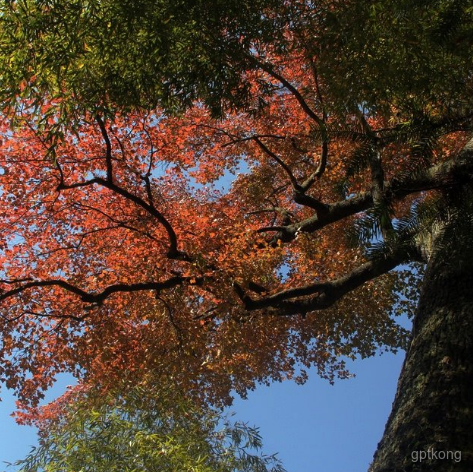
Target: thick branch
302 199
454 172
332 213
320 295
377 177
98 298
319 171
108 148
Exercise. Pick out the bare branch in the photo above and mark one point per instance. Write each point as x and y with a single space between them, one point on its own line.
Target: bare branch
149 192
109 183
302 199
146 177
456 171
63 186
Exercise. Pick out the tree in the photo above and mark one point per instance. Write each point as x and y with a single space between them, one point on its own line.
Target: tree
109 55
138 431
121 266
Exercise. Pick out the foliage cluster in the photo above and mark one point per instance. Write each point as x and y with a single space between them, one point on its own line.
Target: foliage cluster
144 429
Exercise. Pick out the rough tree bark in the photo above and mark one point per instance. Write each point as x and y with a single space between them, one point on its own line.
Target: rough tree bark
431 424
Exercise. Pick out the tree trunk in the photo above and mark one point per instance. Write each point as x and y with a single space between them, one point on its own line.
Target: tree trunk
431 424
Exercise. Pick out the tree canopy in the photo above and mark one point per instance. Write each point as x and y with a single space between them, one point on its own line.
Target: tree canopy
121 255
112 257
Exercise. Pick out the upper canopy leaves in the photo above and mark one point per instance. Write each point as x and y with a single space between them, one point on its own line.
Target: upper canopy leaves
116 265
410 55
117 55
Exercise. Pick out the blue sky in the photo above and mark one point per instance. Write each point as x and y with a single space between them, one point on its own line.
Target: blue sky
320 427
316 427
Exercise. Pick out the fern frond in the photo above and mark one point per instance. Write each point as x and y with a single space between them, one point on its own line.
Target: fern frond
367 229
359 160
